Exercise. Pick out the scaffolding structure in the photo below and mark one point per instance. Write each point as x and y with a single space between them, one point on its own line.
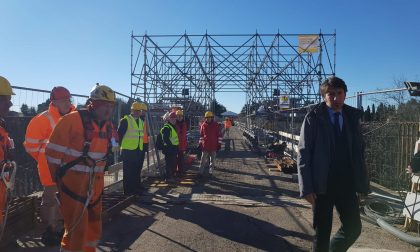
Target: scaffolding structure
189 69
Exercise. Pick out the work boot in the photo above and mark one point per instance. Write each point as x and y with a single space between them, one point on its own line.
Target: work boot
50 238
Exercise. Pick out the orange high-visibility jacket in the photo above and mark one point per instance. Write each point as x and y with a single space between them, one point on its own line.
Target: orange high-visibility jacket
4 143
36 139
66 144
4 146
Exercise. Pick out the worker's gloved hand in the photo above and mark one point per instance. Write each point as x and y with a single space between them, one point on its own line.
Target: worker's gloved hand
219 146
146 147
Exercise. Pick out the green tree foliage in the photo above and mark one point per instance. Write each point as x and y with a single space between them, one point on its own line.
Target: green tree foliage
27 111
43 106
24 109
409 111
373 112
252 108
218 108
384 112
367 115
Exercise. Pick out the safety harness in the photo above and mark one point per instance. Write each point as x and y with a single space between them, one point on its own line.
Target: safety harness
8 169
85 159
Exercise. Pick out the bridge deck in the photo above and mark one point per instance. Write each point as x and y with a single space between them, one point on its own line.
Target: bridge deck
244 206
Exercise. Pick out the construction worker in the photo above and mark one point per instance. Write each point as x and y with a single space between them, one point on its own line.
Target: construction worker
6 144
170 144
36 139
228 125
210 142
76 154
132 131
181 129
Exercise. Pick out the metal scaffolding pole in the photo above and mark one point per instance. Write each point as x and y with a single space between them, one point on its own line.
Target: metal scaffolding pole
188 69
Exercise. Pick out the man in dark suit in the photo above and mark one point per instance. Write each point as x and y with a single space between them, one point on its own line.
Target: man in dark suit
331 166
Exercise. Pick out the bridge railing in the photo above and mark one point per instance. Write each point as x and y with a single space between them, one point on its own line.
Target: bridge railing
390 124
26 104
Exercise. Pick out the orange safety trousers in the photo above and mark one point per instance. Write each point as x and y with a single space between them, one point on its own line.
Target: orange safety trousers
83 225
82 222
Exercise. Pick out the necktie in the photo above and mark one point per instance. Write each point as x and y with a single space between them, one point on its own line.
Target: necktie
337 128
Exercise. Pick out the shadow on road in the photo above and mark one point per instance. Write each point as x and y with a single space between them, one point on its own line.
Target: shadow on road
231 225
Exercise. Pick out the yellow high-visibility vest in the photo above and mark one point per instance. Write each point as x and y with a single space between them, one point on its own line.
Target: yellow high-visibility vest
133 137
173 136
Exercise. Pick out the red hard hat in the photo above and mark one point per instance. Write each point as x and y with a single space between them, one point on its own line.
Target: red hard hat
172 115
59 93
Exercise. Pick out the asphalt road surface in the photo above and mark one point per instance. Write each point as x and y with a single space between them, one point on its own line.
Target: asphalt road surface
245 206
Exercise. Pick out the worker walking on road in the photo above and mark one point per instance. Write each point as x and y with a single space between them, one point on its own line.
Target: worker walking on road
210 142
77 154
331 167
228 125
181 129
132 131
7 167
170 144
36 139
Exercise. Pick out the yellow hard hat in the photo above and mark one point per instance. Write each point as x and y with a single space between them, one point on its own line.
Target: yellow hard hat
138 106
179 113
143 106
5 87
135 106
208 114
102 93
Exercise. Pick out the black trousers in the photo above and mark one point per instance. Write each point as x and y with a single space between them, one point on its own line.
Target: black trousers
132 165
347 206
170 164
180 162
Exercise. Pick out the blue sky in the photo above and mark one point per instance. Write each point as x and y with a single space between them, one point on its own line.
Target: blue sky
78 43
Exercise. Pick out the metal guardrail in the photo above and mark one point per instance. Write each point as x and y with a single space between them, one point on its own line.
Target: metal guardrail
36 100
292 141
388 149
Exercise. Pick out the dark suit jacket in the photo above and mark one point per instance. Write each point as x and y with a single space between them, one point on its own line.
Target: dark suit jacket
316 149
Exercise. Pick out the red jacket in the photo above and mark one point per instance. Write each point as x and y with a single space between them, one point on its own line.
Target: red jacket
181 129
210 137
